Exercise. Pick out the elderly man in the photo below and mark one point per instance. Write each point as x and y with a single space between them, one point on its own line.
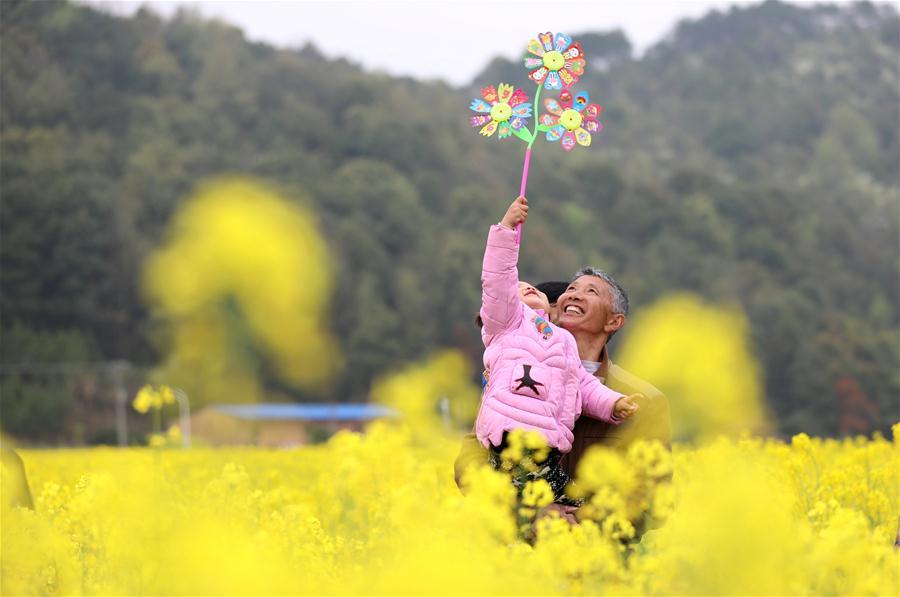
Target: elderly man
593 308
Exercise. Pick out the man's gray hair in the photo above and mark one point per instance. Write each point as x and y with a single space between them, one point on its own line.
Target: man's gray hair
619 296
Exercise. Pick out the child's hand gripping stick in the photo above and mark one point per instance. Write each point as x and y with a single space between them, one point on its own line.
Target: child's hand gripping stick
516 214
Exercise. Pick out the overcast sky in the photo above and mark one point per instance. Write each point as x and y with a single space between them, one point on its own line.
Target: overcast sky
432 39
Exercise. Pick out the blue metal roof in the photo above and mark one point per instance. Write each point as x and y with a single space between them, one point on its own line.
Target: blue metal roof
305 412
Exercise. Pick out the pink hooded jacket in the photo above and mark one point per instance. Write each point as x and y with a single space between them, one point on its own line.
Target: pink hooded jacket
535 377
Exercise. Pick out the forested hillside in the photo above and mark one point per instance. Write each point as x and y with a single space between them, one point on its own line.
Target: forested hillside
752 157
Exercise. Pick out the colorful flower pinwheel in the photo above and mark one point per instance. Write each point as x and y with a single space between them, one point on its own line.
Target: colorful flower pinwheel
501 109
556 64
571 122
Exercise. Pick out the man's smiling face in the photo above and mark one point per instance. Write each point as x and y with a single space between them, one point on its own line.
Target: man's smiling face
586 305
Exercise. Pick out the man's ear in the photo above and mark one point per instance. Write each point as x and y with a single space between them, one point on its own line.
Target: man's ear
615 322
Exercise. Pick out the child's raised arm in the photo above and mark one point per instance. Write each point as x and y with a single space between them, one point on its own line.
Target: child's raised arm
501 308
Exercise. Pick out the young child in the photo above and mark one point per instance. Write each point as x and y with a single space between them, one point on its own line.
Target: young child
535 379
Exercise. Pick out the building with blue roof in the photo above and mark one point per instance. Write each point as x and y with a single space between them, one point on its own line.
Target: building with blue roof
280 424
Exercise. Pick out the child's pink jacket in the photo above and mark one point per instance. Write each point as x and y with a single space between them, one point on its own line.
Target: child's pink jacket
535 377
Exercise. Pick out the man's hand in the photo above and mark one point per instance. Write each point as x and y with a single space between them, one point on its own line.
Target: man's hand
516 214
625 407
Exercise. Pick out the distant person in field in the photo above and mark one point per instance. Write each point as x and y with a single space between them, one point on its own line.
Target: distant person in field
593 307
534 377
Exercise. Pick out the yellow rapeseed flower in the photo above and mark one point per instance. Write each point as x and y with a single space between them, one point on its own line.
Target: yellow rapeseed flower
699 355
377 512
144 400
166 395
537 494
243 272
174 434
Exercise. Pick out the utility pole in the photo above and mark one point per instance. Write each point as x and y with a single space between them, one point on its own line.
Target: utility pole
117 371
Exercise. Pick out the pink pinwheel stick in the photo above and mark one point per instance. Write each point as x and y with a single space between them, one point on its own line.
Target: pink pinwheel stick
537 96
522 189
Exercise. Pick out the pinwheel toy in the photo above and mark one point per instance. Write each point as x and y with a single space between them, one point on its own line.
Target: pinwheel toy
502 109
571 122
555 63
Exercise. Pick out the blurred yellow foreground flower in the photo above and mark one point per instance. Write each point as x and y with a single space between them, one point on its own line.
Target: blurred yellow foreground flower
242 281
434 397
699 355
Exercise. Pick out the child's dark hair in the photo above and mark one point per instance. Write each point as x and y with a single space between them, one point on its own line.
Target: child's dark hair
552 290
478 321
